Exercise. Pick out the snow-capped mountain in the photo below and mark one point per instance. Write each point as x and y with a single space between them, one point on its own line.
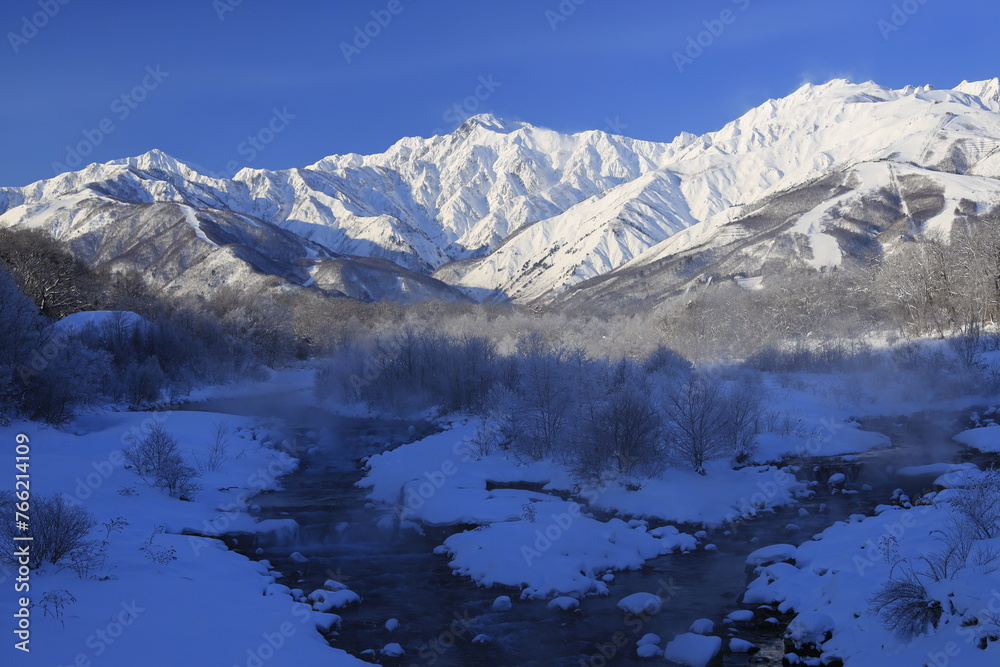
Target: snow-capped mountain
501 209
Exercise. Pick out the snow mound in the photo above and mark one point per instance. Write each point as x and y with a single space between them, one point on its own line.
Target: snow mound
693 650
641 603
740 616
810 627
558 555
393 650
326 600
564 603
703 626
648 651
985 439
774 553
502 603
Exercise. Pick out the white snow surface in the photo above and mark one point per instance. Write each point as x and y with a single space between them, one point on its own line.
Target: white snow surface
220 607
693 650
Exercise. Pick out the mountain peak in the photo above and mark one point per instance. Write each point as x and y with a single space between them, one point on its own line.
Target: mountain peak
154 159
492 123
987 90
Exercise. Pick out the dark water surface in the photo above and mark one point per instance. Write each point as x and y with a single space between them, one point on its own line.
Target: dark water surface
439 614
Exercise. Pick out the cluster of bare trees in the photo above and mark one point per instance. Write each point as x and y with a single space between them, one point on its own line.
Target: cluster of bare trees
48 370
928 285
544 400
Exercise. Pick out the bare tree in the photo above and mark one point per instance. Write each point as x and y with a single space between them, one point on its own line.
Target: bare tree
47 272
744 415
696 429
624 430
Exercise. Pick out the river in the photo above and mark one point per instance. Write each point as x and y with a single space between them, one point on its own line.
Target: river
439 614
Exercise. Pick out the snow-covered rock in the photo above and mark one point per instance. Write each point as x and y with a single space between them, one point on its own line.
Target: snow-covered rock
641 604
323 600
774 553
392 650
703 626
502 603
564 603
693 650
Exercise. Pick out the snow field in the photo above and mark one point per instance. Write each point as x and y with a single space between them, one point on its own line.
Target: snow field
220 607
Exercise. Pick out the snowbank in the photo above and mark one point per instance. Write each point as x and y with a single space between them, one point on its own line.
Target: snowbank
219 607
561 553
836 575
682 495
985 439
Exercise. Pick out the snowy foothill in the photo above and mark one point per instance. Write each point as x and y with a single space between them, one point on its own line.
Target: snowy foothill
220 607
905 586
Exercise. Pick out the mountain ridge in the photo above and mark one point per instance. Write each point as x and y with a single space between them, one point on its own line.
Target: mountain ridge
505 210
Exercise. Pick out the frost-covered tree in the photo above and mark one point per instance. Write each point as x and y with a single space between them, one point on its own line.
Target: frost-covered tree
696 421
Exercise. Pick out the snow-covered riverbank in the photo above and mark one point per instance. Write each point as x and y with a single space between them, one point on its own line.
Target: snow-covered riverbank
155 581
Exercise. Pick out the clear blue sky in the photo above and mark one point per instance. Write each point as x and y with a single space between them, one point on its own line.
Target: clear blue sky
609 65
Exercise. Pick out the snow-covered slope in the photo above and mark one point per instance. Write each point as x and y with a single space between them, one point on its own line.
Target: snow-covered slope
503 209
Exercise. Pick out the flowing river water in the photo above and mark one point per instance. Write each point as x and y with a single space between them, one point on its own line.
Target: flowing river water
439 614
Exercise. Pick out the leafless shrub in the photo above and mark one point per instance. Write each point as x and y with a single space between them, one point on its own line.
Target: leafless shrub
158 553
54 602
218 449
978 507
904 606
58 529
156 458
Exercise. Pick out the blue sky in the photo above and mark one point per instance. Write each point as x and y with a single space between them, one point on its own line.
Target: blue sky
200 78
